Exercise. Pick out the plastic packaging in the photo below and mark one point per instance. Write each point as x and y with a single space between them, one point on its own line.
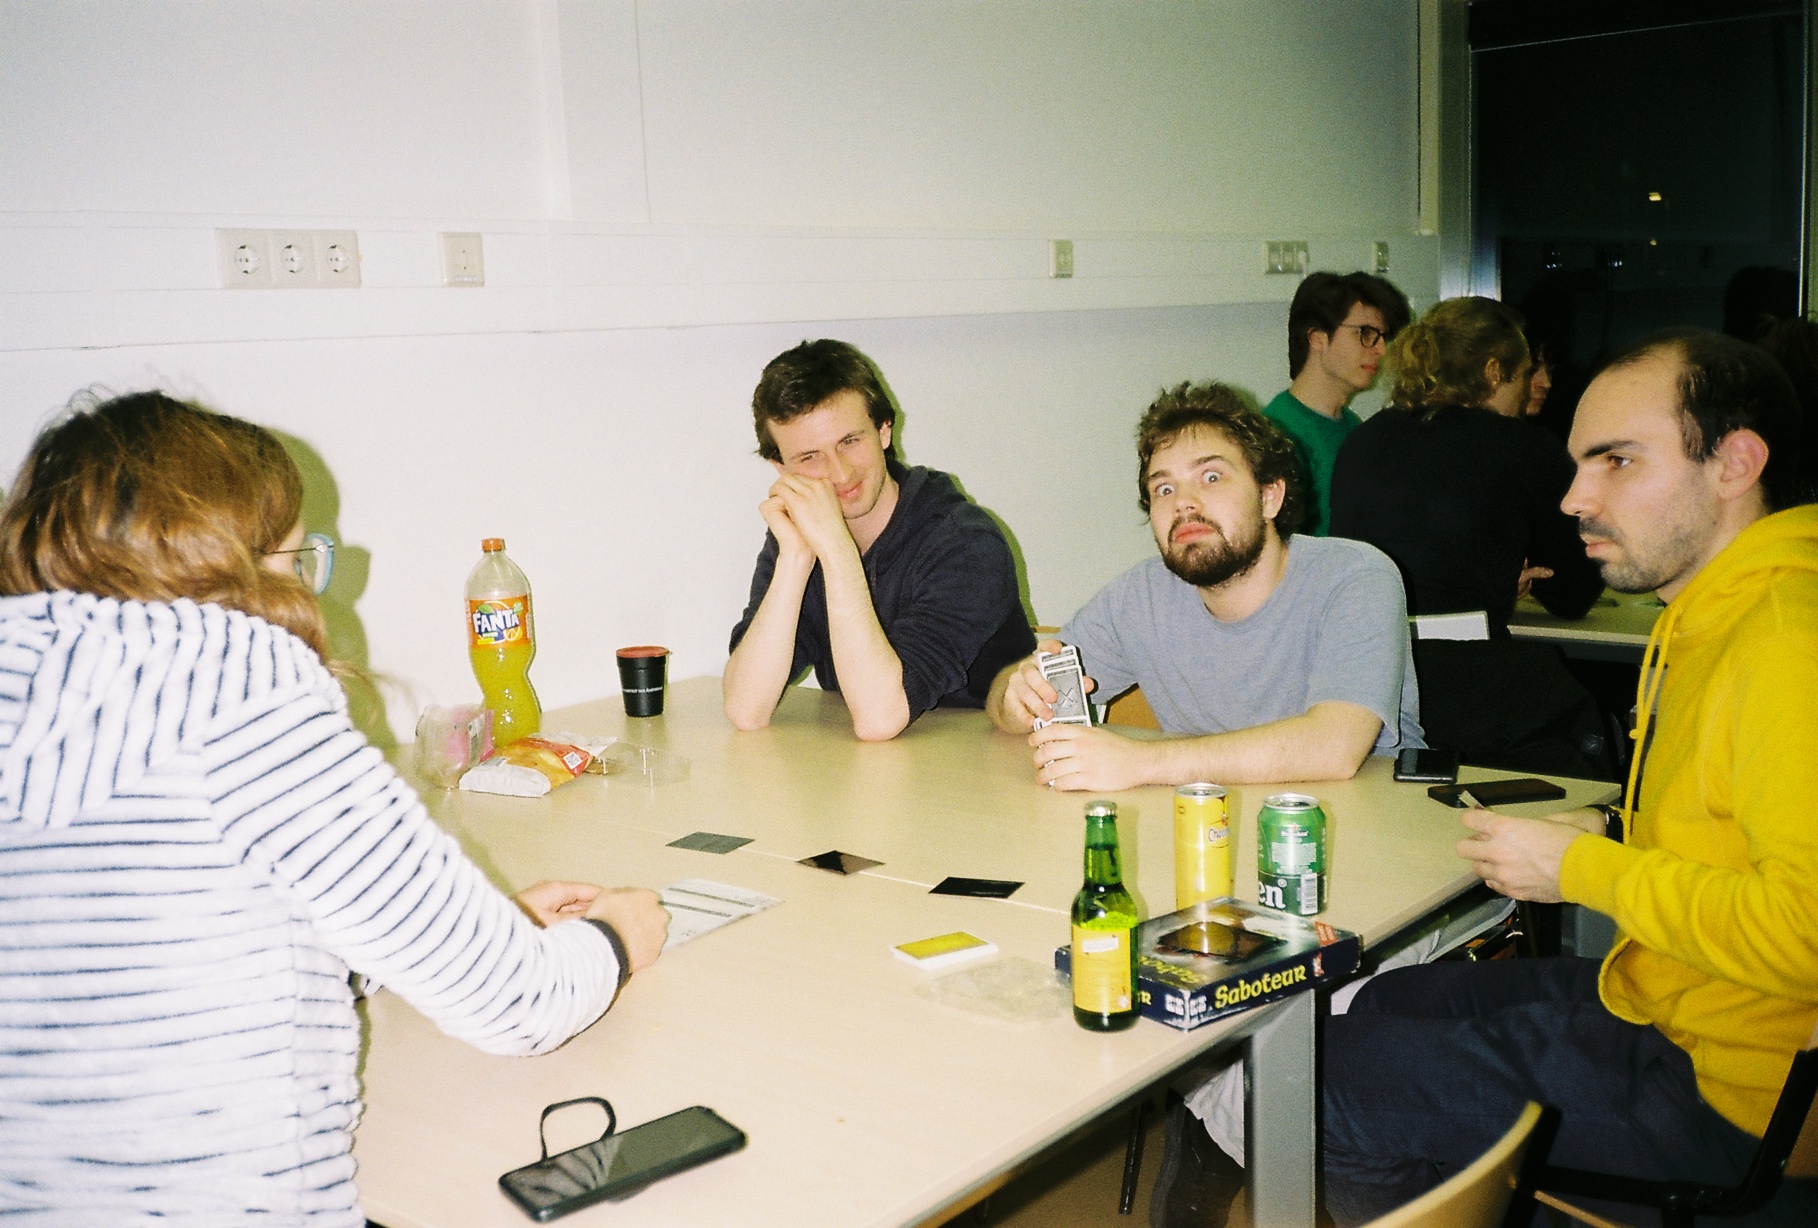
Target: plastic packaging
532 766
1010 988
501 640
451 740
647 764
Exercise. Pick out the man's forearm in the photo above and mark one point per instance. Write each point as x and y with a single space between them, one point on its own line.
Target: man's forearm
870 672
759 667
1330 742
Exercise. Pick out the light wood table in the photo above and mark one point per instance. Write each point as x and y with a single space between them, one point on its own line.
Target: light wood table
1615 629
866 1102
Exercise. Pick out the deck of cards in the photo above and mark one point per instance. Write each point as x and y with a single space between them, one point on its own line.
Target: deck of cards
1063 673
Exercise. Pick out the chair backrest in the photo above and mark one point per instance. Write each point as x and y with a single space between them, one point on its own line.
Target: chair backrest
1131 708
1472 625
1477 1197
1802 1163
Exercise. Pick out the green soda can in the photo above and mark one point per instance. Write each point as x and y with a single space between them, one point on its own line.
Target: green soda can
1291 854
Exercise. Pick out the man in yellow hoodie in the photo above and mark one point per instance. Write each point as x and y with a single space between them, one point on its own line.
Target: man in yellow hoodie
1667 1060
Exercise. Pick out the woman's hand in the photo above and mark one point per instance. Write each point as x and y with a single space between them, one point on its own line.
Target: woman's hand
553 900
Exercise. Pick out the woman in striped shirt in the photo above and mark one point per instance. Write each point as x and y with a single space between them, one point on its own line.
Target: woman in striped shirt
196 847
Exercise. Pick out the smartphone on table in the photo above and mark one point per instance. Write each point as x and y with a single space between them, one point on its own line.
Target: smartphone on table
620 1165
1423 766
1498 792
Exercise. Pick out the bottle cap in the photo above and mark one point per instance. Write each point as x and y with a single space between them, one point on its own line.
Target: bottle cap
489 544
1101 810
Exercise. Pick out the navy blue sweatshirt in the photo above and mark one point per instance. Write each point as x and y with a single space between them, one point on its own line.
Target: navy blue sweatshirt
943 584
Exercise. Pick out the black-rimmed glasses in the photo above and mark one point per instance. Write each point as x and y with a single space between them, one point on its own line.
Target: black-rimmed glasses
314 560
1368 334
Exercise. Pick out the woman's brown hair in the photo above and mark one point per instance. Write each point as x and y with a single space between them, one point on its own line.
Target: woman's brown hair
146 498
1442 358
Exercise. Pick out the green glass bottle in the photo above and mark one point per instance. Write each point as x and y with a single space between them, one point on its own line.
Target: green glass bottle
1104 932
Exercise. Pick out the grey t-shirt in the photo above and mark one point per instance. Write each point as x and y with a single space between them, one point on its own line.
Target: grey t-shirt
1335 628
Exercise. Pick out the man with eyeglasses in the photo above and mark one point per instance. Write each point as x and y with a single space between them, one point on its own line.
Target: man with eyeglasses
1338 328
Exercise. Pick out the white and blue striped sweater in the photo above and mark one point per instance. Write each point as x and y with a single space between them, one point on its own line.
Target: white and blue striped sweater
195 847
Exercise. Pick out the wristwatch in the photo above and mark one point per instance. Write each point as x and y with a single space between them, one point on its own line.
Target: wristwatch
1613 826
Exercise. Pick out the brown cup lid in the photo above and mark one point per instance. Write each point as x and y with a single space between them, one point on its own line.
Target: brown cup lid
644 650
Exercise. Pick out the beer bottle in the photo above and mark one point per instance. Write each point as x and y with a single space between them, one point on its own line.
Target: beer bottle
1104 932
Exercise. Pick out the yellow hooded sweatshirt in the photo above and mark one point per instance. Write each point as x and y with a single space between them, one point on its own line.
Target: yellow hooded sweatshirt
1715 894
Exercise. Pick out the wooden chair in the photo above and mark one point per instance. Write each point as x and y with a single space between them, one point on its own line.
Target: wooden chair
1790 1148
1131 708
1478 1196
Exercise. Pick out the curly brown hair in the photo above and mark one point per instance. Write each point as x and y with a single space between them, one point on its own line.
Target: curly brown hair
1442 360
1269 452
146 498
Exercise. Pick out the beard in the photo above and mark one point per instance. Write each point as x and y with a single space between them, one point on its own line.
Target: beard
1645 567
1211 561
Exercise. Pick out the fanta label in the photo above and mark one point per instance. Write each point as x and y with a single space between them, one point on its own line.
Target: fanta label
499 621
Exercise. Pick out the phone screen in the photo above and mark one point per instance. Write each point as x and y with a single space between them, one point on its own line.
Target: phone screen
621 1164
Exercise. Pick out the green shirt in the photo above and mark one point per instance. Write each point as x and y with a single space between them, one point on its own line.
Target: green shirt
1318 438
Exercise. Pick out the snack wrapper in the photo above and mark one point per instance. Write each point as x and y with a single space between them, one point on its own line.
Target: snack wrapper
531 767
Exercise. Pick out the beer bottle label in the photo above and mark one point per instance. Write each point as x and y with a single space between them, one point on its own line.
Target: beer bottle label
499 622
1101 970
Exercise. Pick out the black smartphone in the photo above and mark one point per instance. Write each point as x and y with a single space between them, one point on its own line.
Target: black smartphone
620 1165
1498 792
1422 766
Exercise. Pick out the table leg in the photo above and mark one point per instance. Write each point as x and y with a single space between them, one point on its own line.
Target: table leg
1282 1066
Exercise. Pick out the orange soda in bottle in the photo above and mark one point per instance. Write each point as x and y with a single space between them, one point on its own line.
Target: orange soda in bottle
501 639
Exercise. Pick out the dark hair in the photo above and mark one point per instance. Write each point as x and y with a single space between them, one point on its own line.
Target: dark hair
1323 300
1794 344
800 380
1442 359
147 498
1267 450
1728 385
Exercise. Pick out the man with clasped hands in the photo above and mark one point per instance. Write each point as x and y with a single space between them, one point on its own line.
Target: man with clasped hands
900 592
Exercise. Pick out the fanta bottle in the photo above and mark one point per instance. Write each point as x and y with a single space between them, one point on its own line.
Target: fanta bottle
501 639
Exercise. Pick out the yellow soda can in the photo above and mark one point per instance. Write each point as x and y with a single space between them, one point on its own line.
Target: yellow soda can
1202 844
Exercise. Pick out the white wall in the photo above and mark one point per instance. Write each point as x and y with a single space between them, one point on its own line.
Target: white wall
670 193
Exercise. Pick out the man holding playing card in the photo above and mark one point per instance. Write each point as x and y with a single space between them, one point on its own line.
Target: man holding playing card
1267 655
898 591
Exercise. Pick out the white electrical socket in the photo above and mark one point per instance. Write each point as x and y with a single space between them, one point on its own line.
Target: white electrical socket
1285 256
287 259
1060 257
463 260
293 258
1379 257
337 258
243 258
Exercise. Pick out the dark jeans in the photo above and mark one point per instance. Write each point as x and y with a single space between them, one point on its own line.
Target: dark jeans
1432 1065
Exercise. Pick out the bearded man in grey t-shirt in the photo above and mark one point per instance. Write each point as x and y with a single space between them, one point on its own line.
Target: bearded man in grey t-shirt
1268 656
